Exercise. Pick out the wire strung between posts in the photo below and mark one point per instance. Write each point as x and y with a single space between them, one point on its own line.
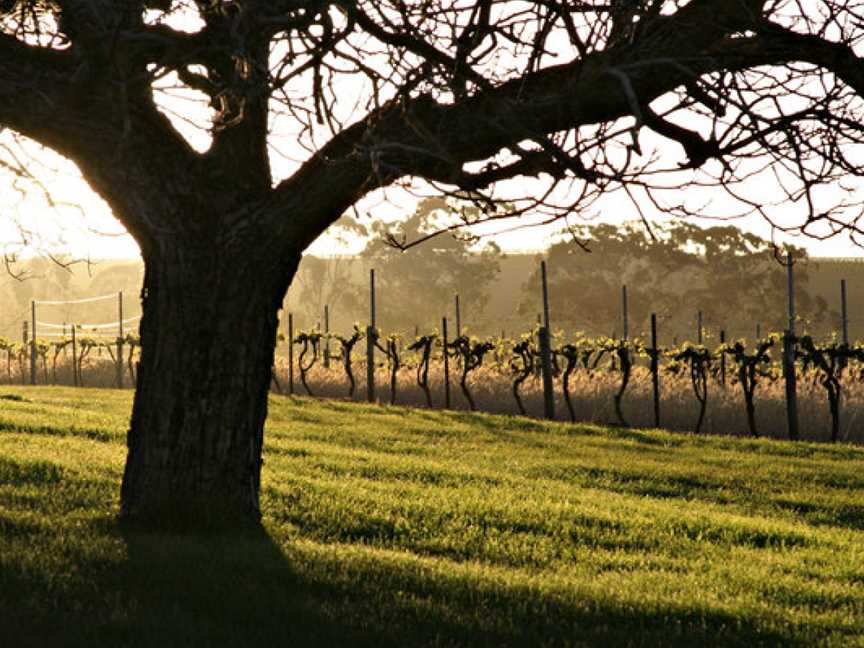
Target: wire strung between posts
88 326
83 334
86 300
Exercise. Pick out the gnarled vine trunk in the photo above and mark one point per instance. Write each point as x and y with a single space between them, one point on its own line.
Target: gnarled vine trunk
208 335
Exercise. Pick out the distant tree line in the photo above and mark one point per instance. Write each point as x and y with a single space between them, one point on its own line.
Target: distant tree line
733 277
674 270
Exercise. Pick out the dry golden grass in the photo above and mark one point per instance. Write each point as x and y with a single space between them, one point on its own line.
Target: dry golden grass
591 393
97 370
592 396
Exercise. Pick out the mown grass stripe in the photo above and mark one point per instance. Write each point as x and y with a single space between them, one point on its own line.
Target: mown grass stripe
386 526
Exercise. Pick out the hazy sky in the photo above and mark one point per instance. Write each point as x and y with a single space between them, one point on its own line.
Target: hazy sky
91 230
80 224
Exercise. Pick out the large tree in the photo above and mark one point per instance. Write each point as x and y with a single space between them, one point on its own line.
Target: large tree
463 94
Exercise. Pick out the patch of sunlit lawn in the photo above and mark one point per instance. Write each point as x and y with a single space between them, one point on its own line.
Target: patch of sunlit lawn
391 526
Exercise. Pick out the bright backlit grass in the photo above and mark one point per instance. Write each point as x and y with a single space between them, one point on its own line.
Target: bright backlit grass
389 526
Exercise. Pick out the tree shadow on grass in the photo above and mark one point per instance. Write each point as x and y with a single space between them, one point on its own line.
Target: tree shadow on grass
241 588
170 588
218 589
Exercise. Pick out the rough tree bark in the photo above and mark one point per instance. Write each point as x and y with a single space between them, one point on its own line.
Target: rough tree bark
208 334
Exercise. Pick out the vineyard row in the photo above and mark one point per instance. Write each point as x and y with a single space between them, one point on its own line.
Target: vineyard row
734 364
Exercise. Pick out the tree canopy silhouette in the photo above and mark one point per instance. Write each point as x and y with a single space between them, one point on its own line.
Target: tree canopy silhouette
459 95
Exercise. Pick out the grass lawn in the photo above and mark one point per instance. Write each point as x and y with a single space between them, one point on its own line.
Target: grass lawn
390 526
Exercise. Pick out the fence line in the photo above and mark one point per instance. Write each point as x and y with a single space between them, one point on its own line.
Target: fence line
107 325
84 300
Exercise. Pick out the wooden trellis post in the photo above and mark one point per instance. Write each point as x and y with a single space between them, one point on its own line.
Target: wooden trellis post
625 312
291 353
120 339
844 321
844 312
655 370
370 341
33 343
446 363
789 343
75 379
25 339
546 351
326 336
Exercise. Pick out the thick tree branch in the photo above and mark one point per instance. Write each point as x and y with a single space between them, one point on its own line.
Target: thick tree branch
697 149
839 58
424 138
34 83
68 103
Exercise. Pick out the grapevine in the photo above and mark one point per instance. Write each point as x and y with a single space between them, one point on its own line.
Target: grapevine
698 359
311 341
9 348
423 345
394 360
471 354
59 346
41 349
346 346
571 354
828 361
620 349
132 342
523 353
751 366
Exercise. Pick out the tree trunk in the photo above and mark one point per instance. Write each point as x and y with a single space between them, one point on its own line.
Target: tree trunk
208 337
